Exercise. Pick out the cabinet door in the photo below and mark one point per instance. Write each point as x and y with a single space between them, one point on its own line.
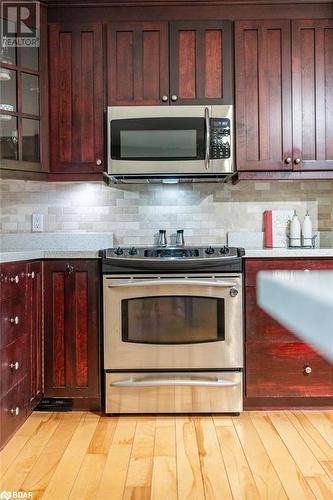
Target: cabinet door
137 59
312 63
35 309
201 69
76 98
71 328
263 95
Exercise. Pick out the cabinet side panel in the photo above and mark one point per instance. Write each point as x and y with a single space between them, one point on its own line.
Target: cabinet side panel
87 152
187 74
328 83
65 96
81 328
58 336
251 90
151 64
124 65
213 63
308 94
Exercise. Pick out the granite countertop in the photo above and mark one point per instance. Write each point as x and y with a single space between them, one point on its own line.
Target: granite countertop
49 254
288 252
302 302
26 246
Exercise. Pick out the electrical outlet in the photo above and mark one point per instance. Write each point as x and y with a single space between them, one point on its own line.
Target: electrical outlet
37 223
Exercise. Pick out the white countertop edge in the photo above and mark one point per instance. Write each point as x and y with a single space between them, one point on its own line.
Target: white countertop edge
47 254
302 302
288 252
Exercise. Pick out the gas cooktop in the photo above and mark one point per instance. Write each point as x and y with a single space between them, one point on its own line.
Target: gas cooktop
172 258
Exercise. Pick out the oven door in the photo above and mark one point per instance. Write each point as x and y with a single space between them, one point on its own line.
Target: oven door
157 141
173 322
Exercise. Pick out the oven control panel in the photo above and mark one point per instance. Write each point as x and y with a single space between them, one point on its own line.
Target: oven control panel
220 138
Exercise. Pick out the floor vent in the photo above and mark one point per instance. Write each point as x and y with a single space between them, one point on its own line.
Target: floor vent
55 405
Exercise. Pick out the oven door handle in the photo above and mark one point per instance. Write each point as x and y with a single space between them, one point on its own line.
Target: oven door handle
218 382
183 282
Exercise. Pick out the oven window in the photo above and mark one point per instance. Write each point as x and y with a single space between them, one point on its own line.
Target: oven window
158 143
173 319
158 139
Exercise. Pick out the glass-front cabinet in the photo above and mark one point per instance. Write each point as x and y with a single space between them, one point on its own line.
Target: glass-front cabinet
21 119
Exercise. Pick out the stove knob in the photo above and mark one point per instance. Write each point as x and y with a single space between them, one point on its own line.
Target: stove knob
119 251
224 250
133 251
209 251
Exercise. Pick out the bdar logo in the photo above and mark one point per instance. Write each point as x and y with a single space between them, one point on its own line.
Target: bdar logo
6 495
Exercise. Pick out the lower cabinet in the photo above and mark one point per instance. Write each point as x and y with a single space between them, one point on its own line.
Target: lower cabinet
281 371
71 335
20 344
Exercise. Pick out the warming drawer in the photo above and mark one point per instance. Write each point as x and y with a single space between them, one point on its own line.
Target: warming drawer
175 392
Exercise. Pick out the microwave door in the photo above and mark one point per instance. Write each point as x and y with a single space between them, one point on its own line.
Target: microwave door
162 145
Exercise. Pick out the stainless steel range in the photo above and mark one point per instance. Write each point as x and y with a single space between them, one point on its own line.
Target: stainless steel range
173 336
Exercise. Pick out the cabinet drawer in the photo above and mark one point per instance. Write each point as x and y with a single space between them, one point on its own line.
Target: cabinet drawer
253 266
259 326
13 319
12 279
14 410
277 369
14 363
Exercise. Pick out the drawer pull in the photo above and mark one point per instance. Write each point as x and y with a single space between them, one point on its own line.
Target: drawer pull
14 279
14 321
307 370
31 275
15 366
15 411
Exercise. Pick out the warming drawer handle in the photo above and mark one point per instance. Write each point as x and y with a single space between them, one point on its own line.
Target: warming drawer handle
184 282
174 382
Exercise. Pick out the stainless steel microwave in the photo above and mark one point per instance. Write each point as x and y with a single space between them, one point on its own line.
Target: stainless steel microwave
166 143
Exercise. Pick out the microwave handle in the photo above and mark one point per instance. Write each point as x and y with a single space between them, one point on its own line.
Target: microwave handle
207 123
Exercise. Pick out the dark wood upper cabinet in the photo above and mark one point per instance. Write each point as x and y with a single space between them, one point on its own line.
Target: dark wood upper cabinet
284 95
71 328
201 62
76 98
312 63
138 63
199 71
263 95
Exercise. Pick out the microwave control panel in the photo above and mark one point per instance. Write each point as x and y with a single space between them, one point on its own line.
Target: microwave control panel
220 138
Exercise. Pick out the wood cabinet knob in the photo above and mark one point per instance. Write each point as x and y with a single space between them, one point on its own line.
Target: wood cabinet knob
174 97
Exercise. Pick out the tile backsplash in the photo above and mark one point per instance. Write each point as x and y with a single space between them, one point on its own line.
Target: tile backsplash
135 213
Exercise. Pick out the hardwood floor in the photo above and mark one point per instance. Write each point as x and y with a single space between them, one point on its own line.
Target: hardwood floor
258 455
